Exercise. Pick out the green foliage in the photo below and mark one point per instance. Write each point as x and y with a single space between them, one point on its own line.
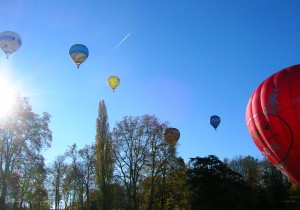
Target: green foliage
269 186
274 186
213 185
23 134
104 162
131 167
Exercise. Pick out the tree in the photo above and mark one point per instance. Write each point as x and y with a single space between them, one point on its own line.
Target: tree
161 154
250 169
57 173
270 187
131 153
213 185
77 178
275 186
31 190
176 187
23 134
104 161
74 177
167 188
87 162
143 159
160 166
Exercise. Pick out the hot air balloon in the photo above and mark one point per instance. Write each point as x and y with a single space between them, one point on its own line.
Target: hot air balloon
79 53
113 82
171 135
215 120
10 42
273 120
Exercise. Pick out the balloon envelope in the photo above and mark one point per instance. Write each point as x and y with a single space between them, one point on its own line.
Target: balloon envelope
215 121
171 135
79 53
273 120
10 42
113 82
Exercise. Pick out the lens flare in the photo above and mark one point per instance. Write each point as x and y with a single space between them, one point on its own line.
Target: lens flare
7 98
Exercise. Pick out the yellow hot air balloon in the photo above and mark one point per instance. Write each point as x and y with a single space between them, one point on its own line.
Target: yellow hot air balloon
113 82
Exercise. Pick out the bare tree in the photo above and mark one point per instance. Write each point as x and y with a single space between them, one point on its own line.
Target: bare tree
141 154
249 168
75 177
57 173
87 162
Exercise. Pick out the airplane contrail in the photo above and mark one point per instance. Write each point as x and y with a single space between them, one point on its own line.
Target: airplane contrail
118 45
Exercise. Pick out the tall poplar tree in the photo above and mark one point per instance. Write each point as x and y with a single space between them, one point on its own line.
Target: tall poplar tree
104 161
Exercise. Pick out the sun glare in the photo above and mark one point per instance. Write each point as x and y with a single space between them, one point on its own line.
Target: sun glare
7 98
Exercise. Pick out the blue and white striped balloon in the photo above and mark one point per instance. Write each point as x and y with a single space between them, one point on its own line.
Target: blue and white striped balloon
10 42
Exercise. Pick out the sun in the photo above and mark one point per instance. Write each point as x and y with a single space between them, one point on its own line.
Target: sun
7 98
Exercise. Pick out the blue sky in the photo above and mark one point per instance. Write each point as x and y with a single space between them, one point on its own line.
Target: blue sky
181 61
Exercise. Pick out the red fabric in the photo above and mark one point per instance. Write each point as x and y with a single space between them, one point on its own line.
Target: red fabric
273 120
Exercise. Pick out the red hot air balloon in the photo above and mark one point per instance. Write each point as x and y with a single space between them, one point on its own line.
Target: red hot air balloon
273 120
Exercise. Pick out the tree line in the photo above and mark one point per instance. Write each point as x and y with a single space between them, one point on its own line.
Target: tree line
130 167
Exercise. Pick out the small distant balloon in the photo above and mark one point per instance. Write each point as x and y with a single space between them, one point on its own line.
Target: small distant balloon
171 135
10 42
215 120
79 53
113 82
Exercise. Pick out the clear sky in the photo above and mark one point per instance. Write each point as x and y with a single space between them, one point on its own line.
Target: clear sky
181 61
